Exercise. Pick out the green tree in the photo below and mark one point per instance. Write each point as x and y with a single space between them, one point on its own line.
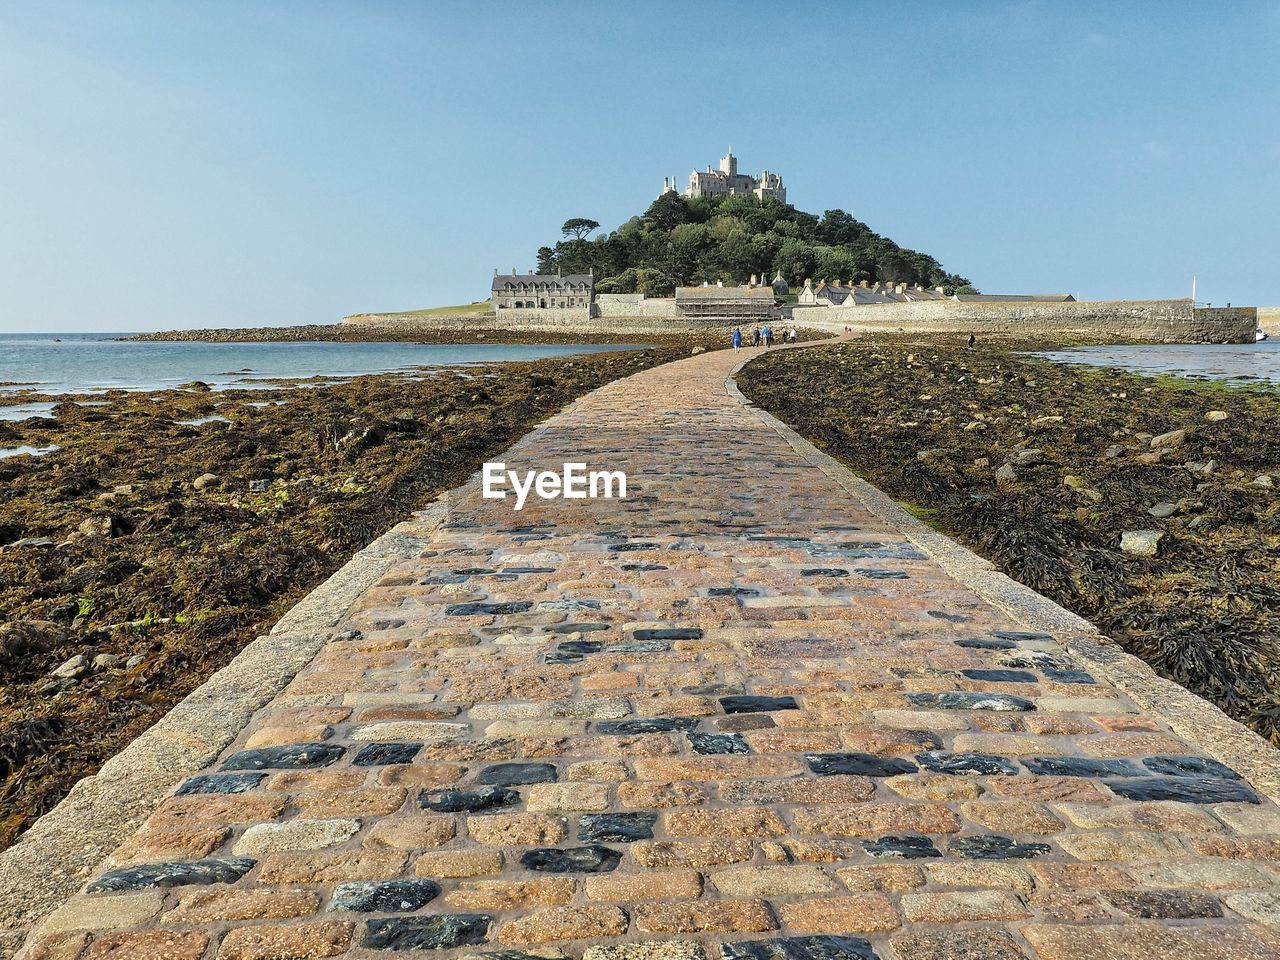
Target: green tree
667 212
795 260
688 240
578 228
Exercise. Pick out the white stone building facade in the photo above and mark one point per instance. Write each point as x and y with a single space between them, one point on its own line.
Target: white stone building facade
728 182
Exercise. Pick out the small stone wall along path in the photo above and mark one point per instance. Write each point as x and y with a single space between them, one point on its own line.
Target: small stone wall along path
733 716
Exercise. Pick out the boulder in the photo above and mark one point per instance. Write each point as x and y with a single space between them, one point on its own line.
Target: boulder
1162 510
1028 458
1169 441
72 669
1264 480
101 525
1141 543
1006 475
1216 415
205 480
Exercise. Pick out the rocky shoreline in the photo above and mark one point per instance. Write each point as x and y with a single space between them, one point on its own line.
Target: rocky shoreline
432 330
144 553
1149 506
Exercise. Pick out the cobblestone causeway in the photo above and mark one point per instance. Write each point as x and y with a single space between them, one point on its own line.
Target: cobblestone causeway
732 716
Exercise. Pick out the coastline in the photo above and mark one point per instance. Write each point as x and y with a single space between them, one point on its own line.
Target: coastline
463 328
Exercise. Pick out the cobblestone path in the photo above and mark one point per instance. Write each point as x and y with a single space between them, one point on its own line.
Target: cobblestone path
732 716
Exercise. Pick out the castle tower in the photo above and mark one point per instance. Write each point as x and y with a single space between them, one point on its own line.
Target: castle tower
729 164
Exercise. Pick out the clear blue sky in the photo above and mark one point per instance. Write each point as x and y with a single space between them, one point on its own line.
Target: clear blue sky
240 163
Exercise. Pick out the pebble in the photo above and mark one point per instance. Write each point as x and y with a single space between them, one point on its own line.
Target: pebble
72 669
1141 543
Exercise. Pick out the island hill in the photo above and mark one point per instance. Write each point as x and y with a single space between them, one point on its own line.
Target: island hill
702 257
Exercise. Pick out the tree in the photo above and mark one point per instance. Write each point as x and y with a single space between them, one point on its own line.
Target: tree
690 239
795 260
667 212
578 228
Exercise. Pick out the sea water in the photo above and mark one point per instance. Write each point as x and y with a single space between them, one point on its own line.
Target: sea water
81 362
1237 363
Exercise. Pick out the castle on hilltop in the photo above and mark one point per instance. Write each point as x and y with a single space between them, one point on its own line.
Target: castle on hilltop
728 182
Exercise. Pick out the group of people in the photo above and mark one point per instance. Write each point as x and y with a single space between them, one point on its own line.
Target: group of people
765 336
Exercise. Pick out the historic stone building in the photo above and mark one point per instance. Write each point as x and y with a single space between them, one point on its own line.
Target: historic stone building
542 291
728 182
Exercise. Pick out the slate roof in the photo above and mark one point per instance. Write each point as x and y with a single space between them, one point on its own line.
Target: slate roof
542 281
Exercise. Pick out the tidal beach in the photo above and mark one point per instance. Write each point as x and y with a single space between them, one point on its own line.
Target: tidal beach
147 535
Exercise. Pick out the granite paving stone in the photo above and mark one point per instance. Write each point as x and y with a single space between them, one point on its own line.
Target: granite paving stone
737 715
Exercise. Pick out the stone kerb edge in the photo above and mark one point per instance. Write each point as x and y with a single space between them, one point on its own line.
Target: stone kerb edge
1190 716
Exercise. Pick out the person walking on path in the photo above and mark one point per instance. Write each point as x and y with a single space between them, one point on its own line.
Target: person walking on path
768 336
755 337
737 338
795 335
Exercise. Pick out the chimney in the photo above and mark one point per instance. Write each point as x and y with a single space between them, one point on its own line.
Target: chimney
807 283
863 284
495 271
939 290
719 283
900 288
513 271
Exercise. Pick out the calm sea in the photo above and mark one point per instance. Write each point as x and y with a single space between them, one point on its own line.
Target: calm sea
81 362
1236 363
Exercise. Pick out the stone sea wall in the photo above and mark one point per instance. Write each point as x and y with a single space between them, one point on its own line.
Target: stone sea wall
629 305
1172 321
1269 320
1169 321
